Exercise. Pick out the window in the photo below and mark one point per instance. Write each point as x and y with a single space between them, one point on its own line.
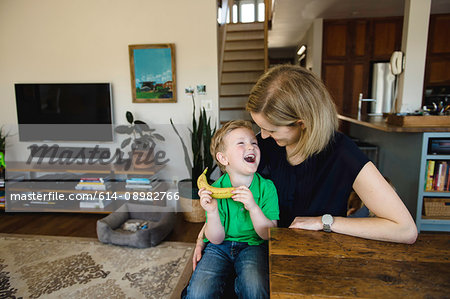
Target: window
261 12
247 12
235 13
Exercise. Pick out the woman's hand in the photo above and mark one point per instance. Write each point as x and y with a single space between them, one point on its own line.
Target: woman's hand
309 223
208 203
197 253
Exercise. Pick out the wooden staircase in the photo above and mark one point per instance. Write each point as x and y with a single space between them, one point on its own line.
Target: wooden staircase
244 60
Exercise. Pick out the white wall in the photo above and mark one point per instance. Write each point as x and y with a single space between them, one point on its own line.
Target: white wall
87 41
414 45
313 41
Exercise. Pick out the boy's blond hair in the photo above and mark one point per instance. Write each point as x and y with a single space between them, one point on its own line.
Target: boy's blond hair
286 94
217 144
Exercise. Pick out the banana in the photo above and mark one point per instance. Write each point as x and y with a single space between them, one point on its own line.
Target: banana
216 192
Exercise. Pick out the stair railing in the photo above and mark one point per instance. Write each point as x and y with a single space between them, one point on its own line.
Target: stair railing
222 33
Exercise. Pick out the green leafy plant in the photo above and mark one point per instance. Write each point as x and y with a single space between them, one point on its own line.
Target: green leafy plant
142 137
200 134
3 137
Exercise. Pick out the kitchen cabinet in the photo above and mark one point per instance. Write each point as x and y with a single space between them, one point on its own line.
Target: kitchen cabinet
349 47
335 40
334 77
387 37
437 66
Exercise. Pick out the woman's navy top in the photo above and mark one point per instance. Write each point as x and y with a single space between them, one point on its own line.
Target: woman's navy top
319 185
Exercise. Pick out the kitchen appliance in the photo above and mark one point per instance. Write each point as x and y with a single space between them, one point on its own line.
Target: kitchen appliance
383 88
439 146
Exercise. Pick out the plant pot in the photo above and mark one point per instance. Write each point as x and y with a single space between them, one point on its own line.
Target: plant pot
190 201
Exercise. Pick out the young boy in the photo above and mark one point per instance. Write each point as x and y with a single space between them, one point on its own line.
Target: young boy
236 227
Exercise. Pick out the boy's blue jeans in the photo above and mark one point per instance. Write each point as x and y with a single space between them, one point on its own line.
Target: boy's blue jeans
250 263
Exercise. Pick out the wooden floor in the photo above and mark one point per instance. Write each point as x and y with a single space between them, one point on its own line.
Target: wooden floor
78 225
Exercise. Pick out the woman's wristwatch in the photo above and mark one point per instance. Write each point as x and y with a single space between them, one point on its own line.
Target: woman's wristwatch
327 221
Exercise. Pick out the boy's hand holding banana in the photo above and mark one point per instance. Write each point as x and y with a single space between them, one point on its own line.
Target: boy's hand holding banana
216 192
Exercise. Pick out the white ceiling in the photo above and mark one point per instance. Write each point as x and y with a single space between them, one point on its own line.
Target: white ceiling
292 18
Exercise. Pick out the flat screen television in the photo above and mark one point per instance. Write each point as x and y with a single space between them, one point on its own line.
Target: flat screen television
64 111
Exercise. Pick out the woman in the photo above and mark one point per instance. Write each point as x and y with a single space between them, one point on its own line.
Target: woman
314 167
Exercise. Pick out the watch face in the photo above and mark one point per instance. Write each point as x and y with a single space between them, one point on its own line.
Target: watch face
327 219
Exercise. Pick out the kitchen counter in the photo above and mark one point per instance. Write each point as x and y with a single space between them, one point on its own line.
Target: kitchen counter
379 123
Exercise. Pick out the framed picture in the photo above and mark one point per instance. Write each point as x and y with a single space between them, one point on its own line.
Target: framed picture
153 73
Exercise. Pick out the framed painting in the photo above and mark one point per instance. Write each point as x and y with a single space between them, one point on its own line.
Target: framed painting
153 73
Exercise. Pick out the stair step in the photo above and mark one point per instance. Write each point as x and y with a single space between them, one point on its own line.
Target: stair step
245 35
243 55
232 109
227 115
240 88
244 45
239 66
245 26
241 77
230 102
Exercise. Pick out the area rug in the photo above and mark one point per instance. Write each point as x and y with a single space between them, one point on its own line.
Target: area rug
66 267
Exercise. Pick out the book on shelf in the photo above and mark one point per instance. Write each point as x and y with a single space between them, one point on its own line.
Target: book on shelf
94 179
91 187
138 181
142 183
437 176
136 186
93 183
94 204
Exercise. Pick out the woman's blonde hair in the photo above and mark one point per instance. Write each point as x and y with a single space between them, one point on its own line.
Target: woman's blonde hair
286 94
217 144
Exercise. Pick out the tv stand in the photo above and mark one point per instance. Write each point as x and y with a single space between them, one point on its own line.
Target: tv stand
28 180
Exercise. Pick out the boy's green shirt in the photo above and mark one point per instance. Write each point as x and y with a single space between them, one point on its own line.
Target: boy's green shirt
236 219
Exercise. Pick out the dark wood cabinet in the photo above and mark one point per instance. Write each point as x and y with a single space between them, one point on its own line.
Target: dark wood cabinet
358 33
359 75
335 40
437 69
439 35
387 37
334 77
349 47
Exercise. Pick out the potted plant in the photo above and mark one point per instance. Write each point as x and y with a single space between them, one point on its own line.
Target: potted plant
3 137
200 136
141 140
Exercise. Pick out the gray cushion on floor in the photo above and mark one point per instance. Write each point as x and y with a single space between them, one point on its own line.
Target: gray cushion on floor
160 224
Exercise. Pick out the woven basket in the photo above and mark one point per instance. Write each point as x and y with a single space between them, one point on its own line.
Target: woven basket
197 215
437 206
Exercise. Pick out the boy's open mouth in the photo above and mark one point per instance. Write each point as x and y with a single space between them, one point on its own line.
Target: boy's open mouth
250 158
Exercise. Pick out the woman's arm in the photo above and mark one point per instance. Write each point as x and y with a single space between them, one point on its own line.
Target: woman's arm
199 246
393 222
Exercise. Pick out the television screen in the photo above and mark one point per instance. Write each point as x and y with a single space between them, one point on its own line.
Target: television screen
64 111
